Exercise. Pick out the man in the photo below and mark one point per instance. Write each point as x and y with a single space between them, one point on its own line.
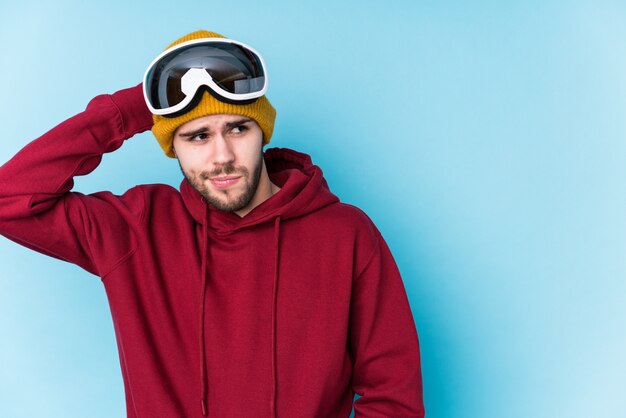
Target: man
252 291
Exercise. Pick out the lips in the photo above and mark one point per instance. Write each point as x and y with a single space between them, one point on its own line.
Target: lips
223 182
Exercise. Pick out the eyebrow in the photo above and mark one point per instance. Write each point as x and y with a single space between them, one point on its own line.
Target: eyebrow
204 129
238 122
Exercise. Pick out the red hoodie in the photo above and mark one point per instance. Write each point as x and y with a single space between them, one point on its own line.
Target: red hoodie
286 312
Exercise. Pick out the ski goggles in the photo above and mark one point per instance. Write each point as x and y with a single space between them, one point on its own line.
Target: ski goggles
231 71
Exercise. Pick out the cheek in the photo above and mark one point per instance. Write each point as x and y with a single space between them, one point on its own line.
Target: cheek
249 154
250 159
187 165
188 158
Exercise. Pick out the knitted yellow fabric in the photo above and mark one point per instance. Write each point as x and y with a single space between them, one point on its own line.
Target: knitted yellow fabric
260 110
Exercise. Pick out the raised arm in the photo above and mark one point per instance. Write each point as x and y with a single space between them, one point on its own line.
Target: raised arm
37 208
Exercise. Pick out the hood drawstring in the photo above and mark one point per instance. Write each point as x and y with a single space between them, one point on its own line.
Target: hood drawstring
274 308
203 363
203 366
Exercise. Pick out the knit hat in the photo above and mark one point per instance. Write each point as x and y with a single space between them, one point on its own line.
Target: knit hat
261 110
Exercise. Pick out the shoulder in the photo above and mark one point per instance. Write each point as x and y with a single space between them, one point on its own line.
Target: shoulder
352 217
151 191
349 227
154 191
369 244
155 198
141 198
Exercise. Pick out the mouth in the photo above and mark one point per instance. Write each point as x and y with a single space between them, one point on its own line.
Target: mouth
225 181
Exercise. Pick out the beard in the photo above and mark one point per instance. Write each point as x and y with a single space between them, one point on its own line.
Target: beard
227 200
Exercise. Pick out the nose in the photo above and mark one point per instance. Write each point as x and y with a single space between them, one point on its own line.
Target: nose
222 150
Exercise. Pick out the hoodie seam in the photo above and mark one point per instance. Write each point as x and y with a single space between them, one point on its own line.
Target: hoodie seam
370 257
129 255
119 263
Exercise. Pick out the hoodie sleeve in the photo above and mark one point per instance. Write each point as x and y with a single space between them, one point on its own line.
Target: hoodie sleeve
384 342
38 210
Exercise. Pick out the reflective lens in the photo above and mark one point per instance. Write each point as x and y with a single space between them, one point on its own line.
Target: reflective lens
235 69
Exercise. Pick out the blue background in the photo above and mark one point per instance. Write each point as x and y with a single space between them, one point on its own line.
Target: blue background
485 139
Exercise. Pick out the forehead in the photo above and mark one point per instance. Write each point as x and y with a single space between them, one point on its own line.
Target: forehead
213 121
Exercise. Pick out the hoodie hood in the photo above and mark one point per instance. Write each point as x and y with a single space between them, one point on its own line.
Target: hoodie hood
303 190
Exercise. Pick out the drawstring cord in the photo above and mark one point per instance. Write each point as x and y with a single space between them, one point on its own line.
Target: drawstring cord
274 307
203 366
203 361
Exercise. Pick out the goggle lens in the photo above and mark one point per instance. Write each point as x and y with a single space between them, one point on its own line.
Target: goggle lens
234 68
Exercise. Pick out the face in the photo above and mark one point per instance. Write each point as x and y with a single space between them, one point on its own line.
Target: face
221 157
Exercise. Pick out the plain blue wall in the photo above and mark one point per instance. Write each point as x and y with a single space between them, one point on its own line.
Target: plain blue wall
486 139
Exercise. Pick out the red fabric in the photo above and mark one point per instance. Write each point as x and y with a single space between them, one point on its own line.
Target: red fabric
303 306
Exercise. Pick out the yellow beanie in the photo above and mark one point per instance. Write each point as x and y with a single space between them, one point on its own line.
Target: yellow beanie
261 110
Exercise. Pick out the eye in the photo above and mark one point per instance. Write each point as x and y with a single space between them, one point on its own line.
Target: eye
198 137
239 129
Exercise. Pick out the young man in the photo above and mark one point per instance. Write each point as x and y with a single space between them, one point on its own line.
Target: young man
252 291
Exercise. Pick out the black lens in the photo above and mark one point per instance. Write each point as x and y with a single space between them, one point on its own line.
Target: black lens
234 68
